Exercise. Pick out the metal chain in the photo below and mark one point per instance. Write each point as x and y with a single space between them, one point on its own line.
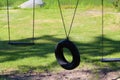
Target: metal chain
102 2
33 20
73 18
71 24
8 20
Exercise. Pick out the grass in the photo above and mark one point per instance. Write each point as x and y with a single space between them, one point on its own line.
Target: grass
54 3
86 34
11 2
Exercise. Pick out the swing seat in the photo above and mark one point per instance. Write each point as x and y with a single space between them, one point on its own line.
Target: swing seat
11 42
21 43
110 60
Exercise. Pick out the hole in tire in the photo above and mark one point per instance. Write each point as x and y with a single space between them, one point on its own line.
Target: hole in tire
67 54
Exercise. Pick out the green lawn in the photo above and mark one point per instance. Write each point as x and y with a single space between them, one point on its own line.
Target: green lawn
86 34
53 3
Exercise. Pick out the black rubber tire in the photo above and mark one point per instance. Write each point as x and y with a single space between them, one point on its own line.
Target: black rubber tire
60 57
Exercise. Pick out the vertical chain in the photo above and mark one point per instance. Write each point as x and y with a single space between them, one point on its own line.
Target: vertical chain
33 20
8 20
102 28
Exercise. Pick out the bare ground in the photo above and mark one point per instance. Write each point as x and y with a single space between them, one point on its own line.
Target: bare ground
84 74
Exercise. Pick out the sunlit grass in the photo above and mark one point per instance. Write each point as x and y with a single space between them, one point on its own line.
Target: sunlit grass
54 3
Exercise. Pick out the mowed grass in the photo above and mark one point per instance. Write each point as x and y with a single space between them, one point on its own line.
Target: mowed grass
86 34
11 2
53 3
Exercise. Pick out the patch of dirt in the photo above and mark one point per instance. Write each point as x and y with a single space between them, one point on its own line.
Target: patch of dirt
94 13
83 74
113 28
99 13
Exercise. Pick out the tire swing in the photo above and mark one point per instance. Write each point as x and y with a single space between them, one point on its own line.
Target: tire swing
67 44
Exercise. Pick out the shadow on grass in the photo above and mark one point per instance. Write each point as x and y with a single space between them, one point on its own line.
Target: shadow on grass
89 51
